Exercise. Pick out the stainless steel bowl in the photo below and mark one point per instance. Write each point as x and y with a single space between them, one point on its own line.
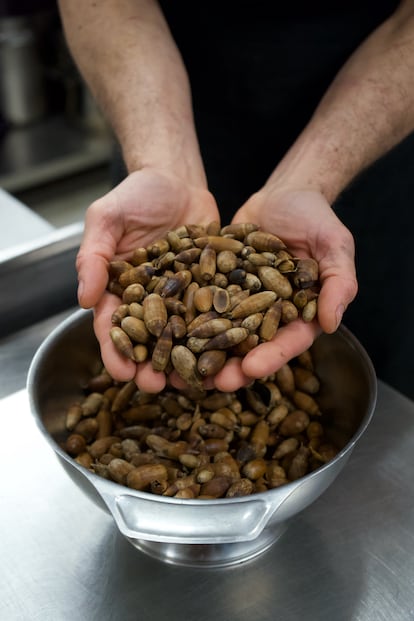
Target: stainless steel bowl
195 532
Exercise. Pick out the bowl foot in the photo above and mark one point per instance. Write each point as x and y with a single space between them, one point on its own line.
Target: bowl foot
210 554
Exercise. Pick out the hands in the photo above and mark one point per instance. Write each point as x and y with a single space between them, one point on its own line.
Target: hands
140 209
149 202
309 227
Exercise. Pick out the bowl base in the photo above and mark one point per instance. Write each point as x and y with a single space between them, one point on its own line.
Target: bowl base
210 555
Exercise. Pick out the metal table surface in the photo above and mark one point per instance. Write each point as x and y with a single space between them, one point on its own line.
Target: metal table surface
347 557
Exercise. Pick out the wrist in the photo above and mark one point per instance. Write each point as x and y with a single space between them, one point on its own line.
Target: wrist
179 160
314 163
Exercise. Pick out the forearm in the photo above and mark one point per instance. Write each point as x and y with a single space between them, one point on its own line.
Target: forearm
368 109
129 60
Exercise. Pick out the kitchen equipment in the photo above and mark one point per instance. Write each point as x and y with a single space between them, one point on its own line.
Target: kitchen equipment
22 95
206 533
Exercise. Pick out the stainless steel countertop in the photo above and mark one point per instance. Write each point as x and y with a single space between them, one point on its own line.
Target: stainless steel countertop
348 557
20 224
38 278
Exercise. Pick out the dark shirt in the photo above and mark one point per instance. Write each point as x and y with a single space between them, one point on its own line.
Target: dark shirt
257 71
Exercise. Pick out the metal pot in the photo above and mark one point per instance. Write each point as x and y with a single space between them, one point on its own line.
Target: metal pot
195 532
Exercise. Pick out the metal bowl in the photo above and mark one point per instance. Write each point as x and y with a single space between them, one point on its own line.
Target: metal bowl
205 533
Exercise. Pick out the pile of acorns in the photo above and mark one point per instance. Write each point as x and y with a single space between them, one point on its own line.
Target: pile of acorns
202 294
203 444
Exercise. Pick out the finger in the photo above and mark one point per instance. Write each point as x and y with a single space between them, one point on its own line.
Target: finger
336 256
290 341
119 367
96 250
177 382
231 377
149 380
336 294
92 277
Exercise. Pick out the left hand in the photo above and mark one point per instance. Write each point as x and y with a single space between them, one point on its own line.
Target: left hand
305 221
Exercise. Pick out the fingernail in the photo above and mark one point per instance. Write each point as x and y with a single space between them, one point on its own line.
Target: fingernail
339 314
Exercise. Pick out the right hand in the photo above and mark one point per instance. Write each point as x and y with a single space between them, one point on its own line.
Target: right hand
138 211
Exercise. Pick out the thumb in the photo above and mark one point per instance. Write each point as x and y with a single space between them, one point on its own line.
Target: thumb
96 250
337 275
336 294
92 277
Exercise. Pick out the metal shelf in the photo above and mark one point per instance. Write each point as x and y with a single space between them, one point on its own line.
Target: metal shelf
49 150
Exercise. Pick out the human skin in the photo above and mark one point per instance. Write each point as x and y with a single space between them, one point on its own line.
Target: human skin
139 81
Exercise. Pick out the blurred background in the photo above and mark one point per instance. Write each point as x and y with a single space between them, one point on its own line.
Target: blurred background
54 145
55 153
